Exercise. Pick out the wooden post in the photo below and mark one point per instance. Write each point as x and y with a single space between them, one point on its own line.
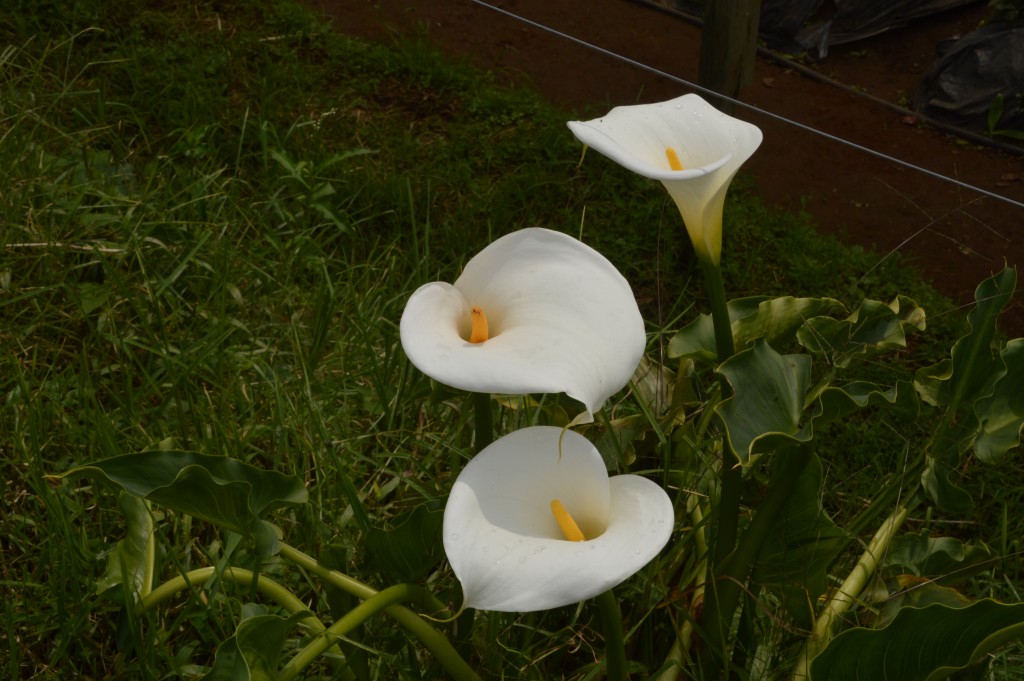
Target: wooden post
728 45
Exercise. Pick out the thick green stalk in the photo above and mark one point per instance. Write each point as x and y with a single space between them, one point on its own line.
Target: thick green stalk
727 520
483 422
724 345
353 618
848 593
614 645
264 585
434 641
483 435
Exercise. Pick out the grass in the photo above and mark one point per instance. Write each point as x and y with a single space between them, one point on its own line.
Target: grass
211 217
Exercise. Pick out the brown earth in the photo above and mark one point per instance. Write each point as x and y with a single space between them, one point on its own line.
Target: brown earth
955 235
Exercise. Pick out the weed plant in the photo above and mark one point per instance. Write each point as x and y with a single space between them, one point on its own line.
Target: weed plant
210 219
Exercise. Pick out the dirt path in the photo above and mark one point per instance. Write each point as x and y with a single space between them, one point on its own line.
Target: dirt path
957 236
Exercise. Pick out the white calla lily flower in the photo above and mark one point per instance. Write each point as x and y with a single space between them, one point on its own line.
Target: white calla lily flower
691 147
508 548
555 316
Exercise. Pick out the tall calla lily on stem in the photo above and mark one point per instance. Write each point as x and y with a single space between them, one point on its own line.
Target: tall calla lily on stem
526 529
695 151
687 144
534 312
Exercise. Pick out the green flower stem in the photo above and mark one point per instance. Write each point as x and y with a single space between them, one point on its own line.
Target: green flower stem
483 435
614 644
483 422
434 641
732 475
327 639
847 594
720 603
266 586
724 345
729 581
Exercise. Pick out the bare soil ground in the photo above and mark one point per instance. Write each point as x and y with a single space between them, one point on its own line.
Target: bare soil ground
956 236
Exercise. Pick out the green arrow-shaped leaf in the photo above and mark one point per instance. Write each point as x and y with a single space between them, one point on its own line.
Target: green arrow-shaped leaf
411 550
768 399
774 319
957 383
835 402
254 652
1001 414
973 360
223 491
947 559
920 644
873 328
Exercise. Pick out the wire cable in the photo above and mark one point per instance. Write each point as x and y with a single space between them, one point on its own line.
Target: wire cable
750 107
803 70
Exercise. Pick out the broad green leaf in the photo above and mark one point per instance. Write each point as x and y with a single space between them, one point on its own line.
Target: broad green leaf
795 557
965 377
932 384
917 592
254 652
771 394
223 491
1001 414
873 328
411 550
920 644
947 559
131 562
835 402
774 319
969 375
767 401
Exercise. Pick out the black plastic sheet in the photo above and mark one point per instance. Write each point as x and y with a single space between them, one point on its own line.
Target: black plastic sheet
971 73
782 20
855 20
812 26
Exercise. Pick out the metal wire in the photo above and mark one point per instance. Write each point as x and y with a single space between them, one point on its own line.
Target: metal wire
750 107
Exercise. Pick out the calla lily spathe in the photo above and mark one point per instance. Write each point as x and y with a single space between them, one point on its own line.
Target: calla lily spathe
561 319
710 145
504 543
